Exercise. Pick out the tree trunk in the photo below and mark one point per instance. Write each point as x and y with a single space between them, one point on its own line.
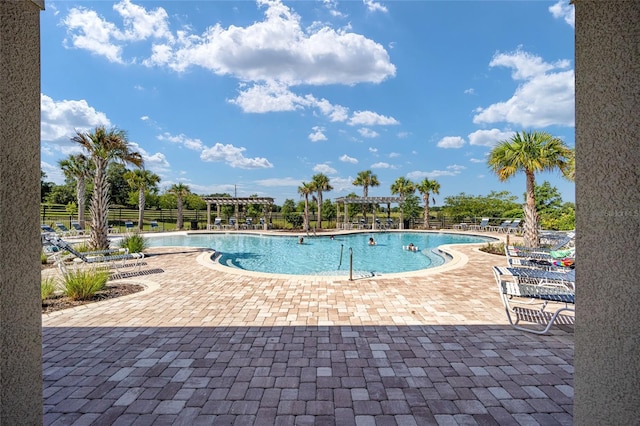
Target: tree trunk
81 190
305 223
179 221
141 203
425 221
100 208
531 237
319 225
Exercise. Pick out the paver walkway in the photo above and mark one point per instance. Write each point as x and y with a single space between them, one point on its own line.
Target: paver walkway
203 345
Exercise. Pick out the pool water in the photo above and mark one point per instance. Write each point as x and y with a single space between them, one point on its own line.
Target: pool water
323 255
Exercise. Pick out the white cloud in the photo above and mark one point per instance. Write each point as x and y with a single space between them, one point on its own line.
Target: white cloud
544 98
373 6
288 181
342 185
89 31
369 118
368 133
346 159
451 142
182 139
233 156
477 160
470 91
324 168
563 10
452 170
279 49
60 119
381 165
317 135
53 172
373 150
489 137
269 97
155 162
394 155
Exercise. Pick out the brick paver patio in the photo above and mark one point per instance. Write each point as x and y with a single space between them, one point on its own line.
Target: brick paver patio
205 345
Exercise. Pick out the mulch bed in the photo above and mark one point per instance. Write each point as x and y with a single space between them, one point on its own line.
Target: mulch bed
110 292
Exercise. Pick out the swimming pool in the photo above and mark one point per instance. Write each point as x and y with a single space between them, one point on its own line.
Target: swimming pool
322 255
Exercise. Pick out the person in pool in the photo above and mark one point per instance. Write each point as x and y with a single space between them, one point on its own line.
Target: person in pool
411 247
371 241
301 240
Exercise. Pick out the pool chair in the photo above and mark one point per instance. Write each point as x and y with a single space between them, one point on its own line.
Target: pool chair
113 258
514 227
248 223
76 226
46 229
217 223
502 227
538 302
153 225
128 226
482 226
64 231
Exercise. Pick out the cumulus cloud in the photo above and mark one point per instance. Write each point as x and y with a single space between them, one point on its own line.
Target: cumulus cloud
373 6
369 118
317 135
368 133
183 140
346 159
155 162
324 168
563 10
381 165
489 137
233 156
452 170
451 142
89 31
545 97
60 119
278 48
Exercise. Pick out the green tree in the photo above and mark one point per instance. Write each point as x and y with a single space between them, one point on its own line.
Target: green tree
426 188
495 205
118 187
529 152
79 168
180 190
305 190
104 147
61 194
328 209
45 187
321 184
366 179
142 181
403 187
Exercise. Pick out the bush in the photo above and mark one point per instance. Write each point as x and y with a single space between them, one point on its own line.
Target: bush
135 243
83 284
44 259
494 248
47 288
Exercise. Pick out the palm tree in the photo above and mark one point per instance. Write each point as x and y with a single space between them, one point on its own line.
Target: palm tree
305 190
366 179
403 187
427 187
179 190
80 168
321 183
104 146
141 180
530 152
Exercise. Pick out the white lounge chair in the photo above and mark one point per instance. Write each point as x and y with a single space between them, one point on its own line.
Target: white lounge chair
540 301
482 226
502 228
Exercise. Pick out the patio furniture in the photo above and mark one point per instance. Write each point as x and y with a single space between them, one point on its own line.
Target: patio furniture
502 228
482 226
128 226
64 231
154 225
540 301
76 226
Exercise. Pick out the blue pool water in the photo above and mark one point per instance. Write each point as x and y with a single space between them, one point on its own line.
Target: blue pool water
322 255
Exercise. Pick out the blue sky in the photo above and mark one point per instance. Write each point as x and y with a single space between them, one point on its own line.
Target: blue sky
257 97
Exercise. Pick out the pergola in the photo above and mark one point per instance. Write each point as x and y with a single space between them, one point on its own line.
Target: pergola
366 200
266 202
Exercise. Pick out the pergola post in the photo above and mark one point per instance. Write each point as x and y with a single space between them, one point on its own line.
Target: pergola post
208 215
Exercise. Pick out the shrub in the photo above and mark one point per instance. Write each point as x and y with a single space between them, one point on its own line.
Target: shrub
83 284
47 287
135 243
494 248
44 259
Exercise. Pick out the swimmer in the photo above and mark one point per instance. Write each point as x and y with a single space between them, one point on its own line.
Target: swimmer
371 241
411 247
301 240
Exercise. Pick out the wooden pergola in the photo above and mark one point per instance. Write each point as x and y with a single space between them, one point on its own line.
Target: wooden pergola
266 202
366 200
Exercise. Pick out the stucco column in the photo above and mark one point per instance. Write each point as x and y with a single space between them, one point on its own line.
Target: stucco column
20 309
607 335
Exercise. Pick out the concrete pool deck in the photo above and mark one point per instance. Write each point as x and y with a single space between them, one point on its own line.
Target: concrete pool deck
205 345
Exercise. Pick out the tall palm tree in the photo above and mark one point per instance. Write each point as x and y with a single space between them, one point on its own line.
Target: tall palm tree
426 188
306 189
180 190
79 168
321 183
104 146
403 187
529 152
141 180
366 179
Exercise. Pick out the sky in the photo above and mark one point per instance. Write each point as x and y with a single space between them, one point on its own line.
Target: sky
255 97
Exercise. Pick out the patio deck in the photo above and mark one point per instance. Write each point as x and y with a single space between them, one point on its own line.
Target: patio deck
203 345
